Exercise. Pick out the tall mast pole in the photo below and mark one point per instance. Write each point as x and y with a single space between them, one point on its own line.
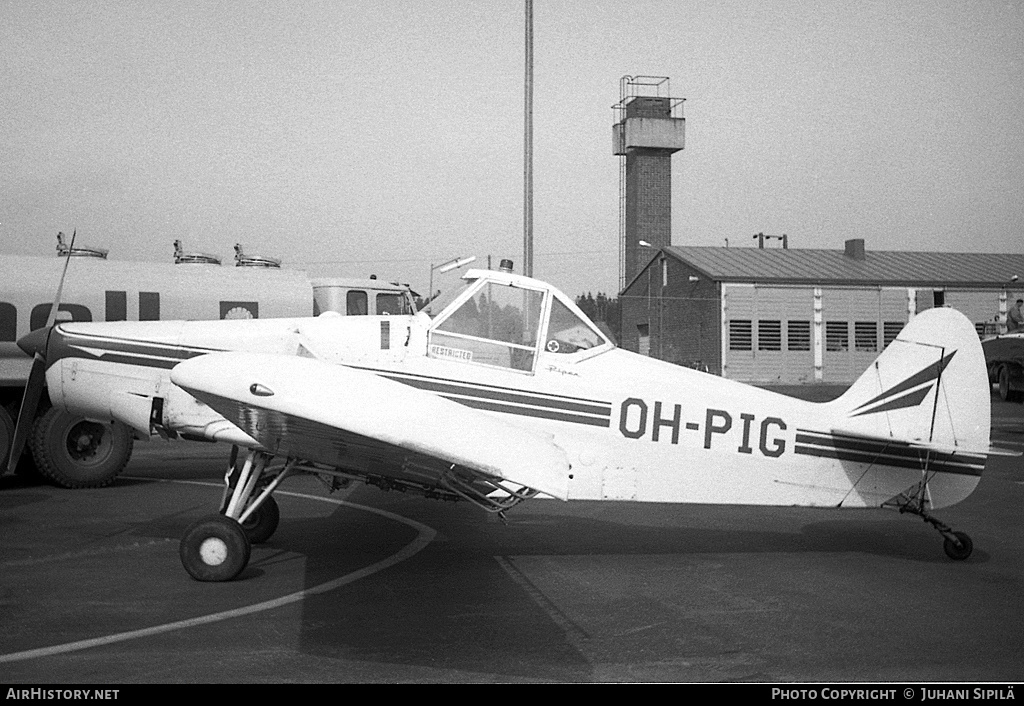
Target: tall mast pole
528 148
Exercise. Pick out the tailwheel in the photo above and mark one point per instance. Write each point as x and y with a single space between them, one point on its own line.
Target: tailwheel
214 548
262 522
958 546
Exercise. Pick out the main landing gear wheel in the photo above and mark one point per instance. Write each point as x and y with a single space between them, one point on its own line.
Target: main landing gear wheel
959 546
262 523
214 548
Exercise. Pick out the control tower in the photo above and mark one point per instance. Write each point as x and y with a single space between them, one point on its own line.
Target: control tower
649 127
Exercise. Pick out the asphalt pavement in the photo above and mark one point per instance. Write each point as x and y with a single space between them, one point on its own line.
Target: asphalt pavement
368 586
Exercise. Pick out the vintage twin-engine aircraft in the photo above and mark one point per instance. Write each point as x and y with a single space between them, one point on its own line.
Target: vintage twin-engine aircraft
503 391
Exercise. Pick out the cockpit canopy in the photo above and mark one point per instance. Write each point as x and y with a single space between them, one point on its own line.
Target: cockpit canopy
507 321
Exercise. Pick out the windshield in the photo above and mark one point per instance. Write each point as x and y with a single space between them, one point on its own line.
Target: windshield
568 333
497 326
442 300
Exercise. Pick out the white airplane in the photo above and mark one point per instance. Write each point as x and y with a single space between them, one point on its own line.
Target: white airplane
505 391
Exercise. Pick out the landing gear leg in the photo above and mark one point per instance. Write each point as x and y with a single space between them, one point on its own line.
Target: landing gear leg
217 547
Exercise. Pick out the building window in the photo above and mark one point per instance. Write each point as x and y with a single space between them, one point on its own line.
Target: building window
799 335
837 336
741 335
865 336
643 332
769 335
890 330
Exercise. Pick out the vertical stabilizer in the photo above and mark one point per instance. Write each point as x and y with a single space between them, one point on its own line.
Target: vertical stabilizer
928 392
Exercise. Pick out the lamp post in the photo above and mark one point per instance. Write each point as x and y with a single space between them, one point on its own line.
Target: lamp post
661 298
452 264
1002 318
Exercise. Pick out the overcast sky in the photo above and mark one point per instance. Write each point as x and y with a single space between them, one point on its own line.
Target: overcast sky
384 136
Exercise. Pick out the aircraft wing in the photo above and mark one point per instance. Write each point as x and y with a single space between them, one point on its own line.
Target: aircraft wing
329 414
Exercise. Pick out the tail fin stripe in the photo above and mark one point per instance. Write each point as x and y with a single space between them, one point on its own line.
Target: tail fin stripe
931 372
911 399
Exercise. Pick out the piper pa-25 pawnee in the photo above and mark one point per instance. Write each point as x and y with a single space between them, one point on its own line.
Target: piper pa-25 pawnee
504 390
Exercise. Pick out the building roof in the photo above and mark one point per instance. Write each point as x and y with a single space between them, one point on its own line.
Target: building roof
879 267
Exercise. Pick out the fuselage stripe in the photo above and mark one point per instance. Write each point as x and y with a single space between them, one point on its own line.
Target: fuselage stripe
477 403
448 389
487 397
123 351
412 378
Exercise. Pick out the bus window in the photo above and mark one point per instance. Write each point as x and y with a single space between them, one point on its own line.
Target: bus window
356 303
391 303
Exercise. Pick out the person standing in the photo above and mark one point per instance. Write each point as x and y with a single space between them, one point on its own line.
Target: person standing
1015 318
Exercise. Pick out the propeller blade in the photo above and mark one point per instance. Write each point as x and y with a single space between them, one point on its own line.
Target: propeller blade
60 285
37 374
27 411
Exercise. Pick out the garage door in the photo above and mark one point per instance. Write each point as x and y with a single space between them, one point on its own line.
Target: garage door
858 323
768 334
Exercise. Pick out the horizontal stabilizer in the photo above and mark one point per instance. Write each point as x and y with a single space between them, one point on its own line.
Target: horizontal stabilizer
930 446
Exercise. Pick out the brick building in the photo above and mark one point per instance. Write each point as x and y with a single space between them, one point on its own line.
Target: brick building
801 316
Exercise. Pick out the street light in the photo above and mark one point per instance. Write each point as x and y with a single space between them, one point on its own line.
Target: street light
452 264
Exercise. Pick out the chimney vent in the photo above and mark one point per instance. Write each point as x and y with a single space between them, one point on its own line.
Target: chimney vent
855 249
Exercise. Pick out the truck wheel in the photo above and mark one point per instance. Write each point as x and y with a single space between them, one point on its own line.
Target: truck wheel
75 452
1004 383
26 467
1005 392
6 437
